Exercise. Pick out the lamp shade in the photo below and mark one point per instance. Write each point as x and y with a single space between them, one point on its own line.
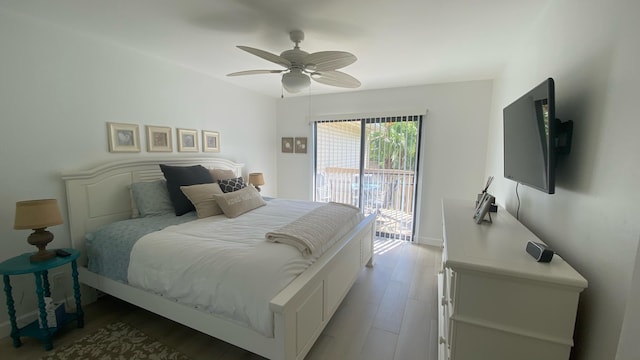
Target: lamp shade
37 214
256 179
294 81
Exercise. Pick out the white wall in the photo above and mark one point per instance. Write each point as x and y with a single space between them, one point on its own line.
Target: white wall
454 140
628 348
592 221
57 91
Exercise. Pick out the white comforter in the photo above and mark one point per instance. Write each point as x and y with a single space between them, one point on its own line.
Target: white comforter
224 266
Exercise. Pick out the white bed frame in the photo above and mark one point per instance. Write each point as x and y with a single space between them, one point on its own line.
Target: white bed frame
301 310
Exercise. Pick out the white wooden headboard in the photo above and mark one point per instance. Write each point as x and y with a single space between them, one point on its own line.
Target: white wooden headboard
101 195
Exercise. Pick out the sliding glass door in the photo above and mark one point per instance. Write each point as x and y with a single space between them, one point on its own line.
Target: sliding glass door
370 163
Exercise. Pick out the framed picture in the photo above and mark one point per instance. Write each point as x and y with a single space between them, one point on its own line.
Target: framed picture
210 141
483 208
123 137
287 144
301 145
187 140
159 139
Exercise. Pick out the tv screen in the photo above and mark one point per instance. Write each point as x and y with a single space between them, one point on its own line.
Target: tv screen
529 138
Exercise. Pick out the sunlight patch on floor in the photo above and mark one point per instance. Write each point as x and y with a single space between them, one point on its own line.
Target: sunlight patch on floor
381 246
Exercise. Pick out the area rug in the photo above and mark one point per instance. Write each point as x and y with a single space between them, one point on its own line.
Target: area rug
115 341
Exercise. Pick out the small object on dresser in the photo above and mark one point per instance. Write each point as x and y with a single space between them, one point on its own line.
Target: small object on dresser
62 253
482 208
540 252
493 207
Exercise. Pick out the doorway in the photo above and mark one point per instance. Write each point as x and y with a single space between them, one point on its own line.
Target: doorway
371 163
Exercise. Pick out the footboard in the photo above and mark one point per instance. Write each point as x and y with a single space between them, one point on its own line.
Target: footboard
303 309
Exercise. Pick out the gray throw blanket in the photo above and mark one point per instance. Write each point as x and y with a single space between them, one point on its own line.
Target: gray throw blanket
315 232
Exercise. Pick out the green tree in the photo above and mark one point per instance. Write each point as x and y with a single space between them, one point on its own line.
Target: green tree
394 145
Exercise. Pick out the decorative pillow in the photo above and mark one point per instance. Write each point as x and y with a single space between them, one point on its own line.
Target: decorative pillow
151 198
134 208
221 174
231 185
201 196
239 202
183 176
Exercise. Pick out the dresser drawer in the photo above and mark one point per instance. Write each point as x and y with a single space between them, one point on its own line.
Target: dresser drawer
473 342
442 319
521 305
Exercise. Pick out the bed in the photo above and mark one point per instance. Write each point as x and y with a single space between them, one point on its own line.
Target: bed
300 311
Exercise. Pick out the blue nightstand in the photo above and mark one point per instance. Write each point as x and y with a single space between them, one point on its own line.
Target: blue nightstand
21 265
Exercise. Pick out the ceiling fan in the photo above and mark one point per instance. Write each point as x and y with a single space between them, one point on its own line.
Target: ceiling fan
300 66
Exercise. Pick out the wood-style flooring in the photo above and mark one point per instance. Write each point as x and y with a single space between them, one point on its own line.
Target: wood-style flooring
389 314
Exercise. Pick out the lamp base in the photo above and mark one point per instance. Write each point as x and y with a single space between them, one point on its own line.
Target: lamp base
40 238
42 255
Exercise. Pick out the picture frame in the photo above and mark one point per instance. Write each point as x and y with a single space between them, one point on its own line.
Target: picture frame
210 141
301 145
287 145
483 208
123 137
187 140
159 139
481 198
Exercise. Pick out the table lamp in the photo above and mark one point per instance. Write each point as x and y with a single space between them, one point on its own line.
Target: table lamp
257 180
38 215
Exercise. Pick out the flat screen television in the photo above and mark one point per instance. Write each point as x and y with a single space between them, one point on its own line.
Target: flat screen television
533 137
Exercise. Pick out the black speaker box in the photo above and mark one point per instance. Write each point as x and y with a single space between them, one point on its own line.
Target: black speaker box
540 252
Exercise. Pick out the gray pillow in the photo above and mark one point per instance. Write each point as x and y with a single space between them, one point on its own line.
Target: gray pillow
239 202
201 196
151 198
221 174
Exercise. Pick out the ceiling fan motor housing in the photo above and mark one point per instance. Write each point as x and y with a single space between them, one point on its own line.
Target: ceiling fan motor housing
295 56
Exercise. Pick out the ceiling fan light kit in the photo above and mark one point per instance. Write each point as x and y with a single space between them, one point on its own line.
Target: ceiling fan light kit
301 67
295 81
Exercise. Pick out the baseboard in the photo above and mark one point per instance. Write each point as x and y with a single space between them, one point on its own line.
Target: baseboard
429 241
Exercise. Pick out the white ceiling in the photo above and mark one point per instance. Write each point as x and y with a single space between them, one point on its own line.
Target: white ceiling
397 42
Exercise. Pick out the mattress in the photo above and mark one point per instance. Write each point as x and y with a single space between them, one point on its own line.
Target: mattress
216 264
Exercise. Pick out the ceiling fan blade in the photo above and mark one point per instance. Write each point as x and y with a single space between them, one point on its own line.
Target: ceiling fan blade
267 56
336 78
329 60
255 72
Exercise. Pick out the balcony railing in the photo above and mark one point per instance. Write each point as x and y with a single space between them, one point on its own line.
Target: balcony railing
386 189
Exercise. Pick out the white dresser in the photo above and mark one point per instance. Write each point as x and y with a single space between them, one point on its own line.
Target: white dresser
496 301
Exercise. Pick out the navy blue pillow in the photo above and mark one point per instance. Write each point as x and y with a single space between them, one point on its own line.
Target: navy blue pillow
183 176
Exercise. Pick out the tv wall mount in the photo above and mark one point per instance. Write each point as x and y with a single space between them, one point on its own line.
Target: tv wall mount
564 136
